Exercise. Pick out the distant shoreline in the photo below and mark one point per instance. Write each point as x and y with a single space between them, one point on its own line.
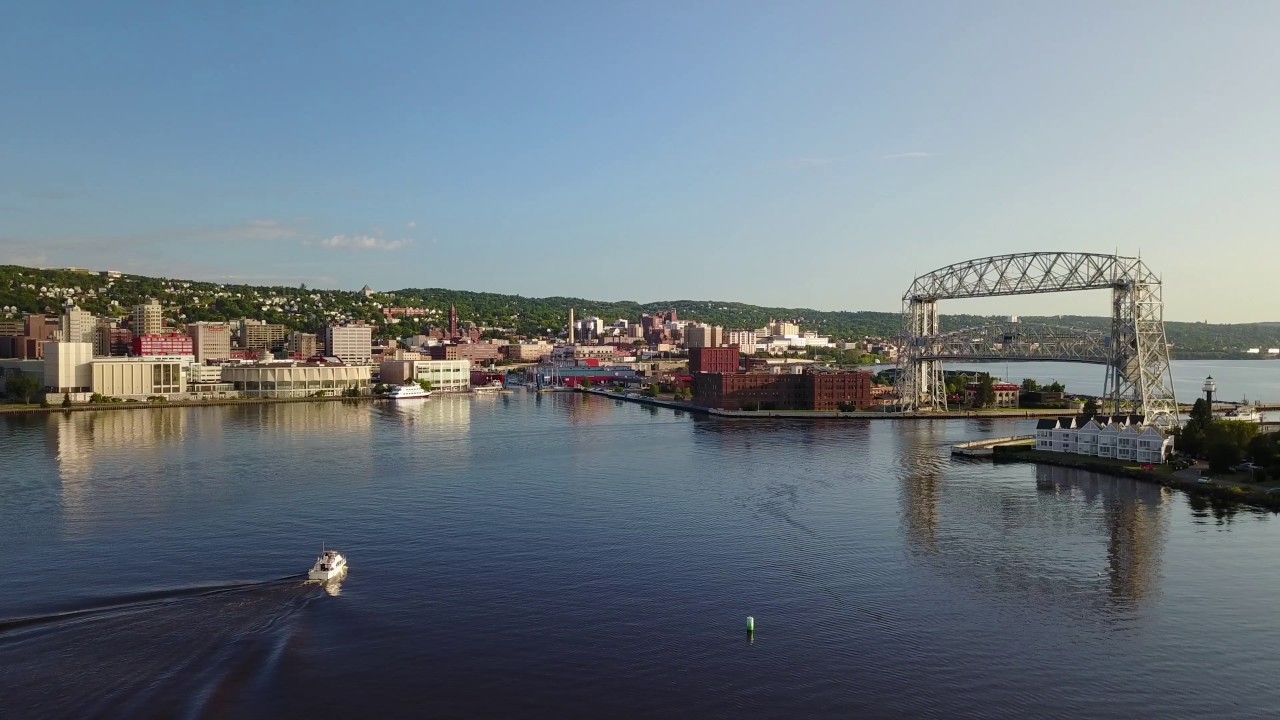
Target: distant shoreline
86 407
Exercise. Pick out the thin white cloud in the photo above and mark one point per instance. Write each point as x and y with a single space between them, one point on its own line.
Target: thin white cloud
411 224
907 155
265 230
363 242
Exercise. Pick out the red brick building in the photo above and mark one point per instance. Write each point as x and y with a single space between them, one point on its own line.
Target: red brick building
835 391
163 345
1006 394
759 391
713 359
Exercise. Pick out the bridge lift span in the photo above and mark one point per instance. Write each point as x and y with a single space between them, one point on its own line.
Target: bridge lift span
1136 352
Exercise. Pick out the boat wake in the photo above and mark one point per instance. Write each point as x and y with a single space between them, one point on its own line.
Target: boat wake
176 652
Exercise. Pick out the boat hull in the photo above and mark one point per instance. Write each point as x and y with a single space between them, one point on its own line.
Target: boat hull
327 575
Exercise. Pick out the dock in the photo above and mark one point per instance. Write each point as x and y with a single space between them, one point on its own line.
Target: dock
985 448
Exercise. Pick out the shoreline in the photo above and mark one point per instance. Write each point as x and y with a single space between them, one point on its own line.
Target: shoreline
1233 493
1010 414
212 402
89 407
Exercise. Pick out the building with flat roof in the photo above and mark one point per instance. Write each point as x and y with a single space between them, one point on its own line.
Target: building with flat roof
444 375
258 335
475 352
352 343
527 351
162 345
148 318
67 367
760 391
210 341
78 326
304 345
702 335
294 379
713 359
111 340
139 377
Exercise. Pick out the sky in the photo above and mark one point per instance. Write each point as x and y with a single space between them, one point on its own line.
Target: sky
796 154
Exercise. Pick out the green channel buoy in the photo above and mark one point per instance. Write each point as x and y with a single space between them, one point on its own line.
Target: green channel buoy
751 624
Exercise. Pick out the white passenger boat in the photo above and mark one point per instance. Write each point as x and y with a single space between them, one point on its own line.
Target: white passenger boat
494 386
408 392
331 564
1246 413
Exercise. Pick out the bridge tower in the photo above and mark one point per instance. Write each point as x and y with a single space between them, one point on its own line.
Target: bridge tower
1136 352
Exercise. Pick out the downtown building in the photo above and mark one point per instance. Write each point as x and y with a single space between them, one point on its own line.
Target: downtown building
148 318
814 391
210 341
353 344
444 375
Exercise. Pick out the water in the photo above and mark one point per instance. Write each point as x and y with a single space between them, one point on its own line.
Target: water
577 556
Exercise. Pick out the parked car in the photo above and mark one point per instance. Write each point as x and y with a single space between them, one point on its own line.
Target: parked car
1204 480
1245 467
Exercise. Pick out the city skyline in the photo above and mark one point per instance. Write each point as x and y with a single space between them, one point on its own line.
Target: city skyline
510 149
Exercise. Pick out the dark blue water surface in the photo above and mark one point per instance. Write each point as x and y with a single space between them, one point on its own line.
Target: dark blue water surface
574 556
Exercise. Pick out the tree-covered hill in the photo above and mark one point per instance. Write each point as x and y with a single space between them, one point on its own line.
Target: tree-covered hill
29 290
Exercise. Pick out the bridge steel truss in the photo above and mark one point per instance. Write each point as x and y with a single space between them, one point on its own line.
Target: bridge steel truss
1022 342
1136 353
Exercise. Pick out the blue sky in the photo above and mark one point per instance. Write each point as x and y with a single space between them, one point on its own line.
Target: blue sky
797 154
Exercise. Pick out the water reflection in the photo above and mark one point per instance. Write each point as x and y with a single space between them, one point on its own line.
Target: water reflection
1070 539
1135 516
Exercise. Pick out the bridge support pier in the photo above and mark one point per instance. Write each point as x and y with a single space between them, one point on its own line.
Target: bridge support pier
922 379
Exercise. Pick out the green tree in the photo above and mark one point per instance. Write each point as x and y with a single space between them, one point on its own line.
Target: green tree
986 391
1090 407
66 400
650 391
1189 439
22 387
425 385
1227 441
1056 387
1030 385
1201 412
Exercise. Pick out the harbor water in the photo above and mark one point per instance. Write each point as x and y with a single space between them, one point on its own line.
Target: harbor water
578 556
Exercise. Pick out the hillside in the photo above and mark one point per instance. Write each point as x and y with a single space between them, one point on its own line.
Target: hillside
30 290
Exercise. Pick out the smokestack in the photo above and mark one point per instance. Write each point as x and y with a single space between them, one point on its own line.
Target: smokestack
570 326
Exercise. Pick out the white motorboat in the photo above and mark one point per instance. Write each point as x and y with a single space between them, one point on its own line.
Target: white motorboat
494 386
408 392
331 564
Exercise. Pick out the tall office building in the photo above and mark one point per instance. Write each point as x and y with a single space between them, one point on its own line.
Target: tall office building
258 335
148 318
210 341
110 339
353 344
78 326
701 335
303 344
